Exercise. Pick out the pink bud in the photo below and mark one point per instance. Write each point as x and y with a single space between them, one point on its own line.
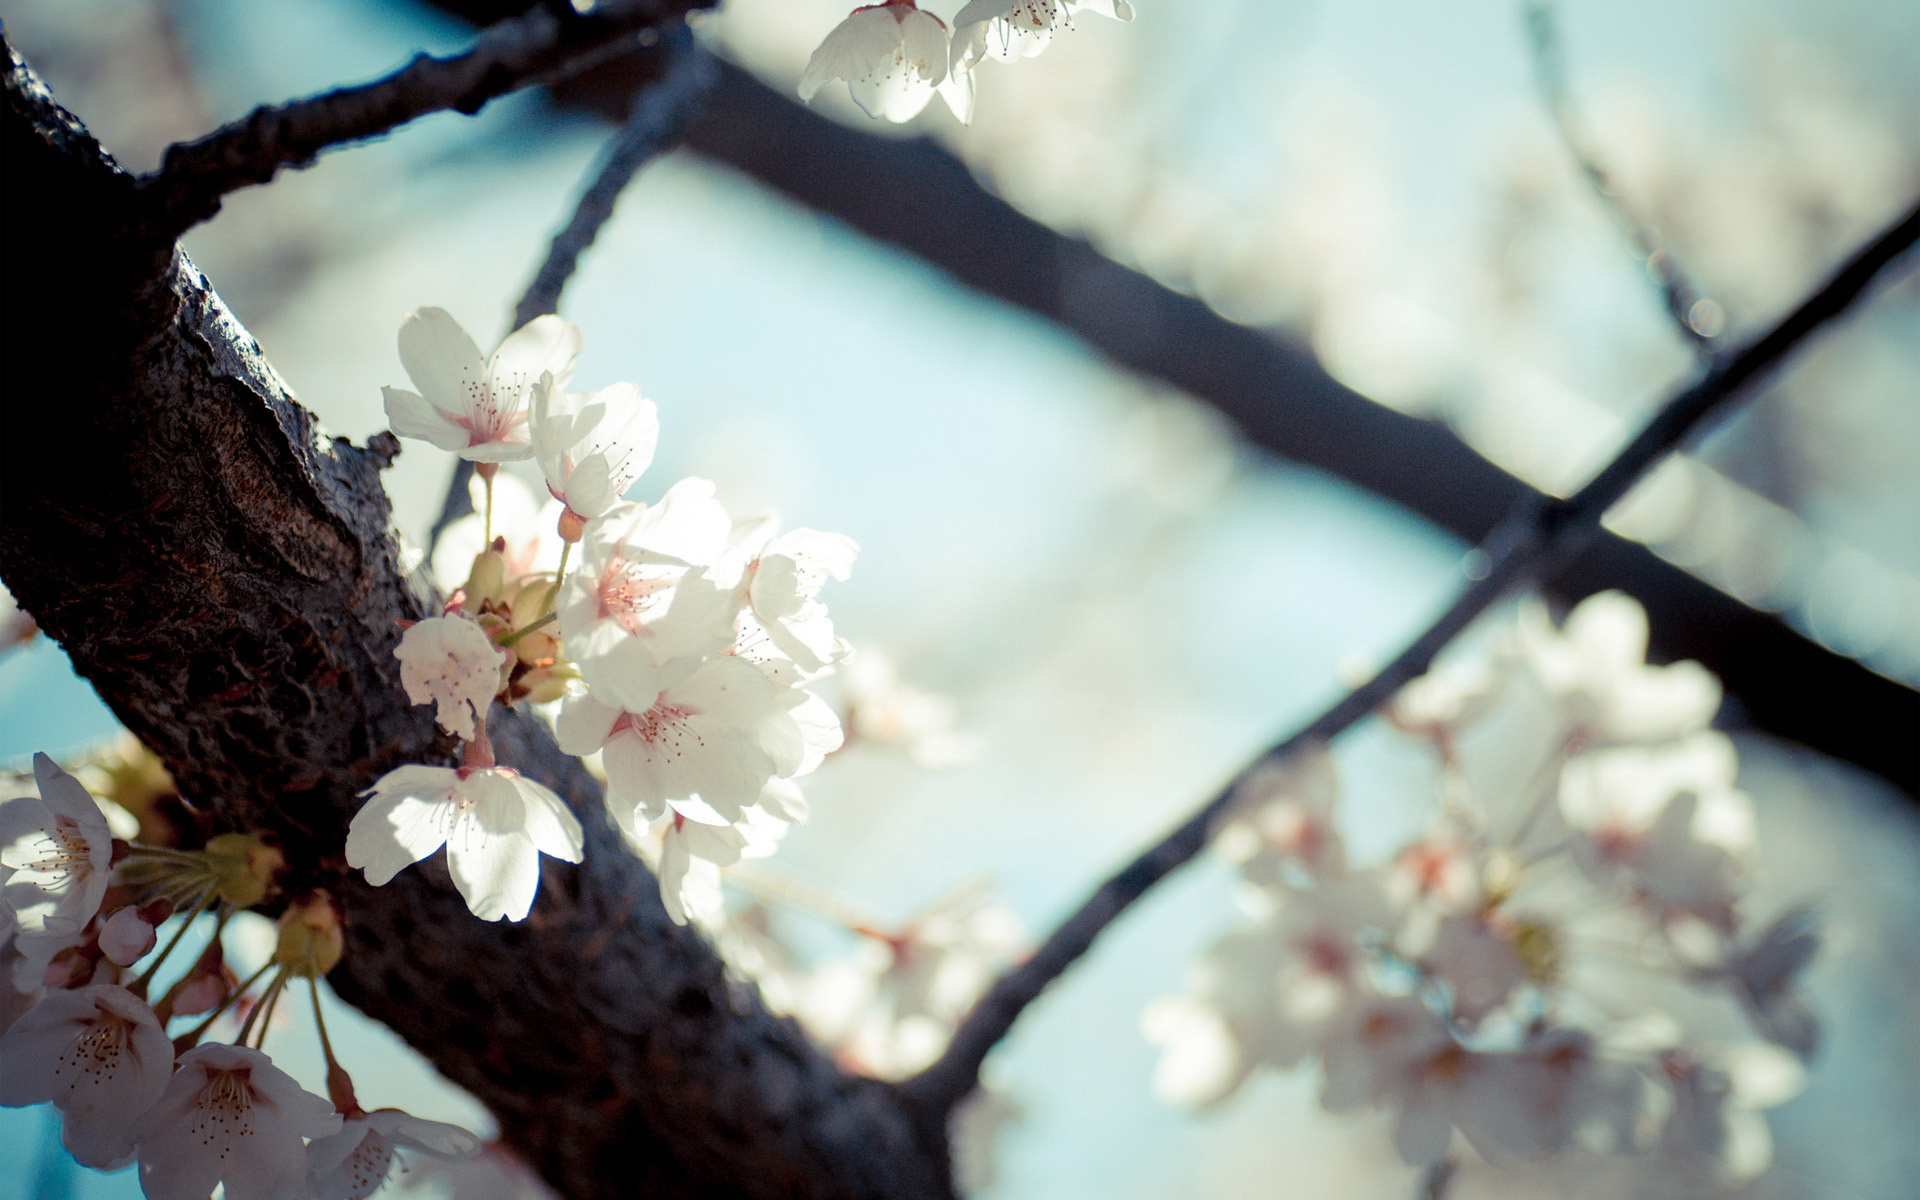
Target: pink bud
125 937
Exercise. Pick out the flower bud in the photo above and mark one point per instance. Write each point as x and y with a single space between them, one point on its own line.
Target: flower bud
486 579
311 940
243 867
572 525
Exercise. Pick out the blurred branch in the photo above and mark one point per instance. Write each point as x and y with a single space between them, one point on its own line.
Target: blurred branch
1278 397
1533 537
1436 1182
1698 318
546 42
660 113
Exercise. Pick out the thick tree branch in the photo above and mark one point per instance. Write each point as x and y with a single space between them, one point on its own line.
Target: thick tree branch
543 43
226 578
1529 541
1697 318
660 113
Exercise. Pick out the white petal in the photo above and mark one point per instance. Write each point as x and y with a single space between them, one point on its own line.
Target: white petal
439 357
410 415
544 345
549 825
489 856
584 723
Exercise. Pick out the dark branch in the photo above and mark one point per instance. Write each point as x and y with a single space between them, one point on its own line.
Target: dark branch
660 113
1697 318
545 43
1530 540
224 577
1279 398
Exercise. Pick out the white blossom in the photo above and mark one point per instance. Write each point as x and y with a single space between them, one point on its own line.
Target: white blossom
592 445
1284 820
353 1163
1010 30
782 585
59 851
451 663
691 855
494 822
1595 668
641 611
100 1056
1764 973
893 57
1716 1126
473 406
1663 823
720 734
229 1116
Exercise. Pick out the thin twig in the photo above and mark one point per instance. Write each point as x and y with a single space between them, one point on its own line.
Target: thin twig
1698 318
661 113
1540 533
545 43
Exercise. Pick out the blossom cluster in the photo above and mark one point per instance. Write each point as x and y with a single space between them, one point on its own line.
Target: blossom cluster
1555 961
84 911
894 56
678 648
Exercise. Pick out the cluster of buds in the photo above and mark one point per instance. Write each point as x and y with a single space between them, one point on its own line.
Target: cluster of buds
1531 971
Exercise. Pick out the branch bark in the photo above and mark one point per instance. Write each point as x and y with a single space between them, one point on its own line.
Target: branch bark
225 577
1529 541
544 43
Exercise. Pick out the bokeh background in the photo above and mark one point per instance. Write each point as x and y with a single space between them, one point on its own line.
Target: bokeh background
1123 598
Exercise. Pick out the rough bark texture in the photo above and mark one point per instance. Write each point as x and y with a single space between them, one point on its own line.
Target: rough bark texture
227 579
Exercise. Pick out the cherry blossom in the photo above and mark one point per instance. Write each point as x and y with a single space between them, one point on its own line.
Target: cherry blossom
1014 29
99 1054
1285 820
881 707
721 734
353 1163
642 611
893 57
1595 668
592 445
1716 1126
451 663
59 851
1764 974
494 822
229 1116
1664 823
781 584
691 855
476 407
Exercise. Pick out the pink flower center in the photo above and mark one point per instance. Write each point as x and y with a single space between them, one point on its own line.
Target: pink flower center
493 412
96 1053
663 726
628 595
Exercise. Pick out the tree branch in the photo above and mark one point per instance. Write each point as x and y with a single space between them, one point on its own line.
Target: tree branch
1698 319
225 579
544 43
1279 399
1539 532
660 113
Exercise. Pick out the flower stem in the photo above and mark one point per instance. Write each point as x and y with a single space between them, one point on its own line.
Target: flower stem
191 1038
487 471
559 577
513 638
267 1000
139 987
